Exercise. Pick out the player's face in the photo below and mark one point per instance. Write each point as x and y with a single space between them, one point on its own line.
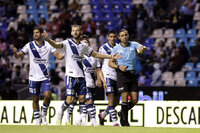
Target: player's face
76 32
86 41
124 36
37 35
112 38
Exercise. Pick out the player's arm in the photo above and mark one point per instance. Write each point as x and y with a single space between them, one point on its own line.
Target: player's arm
16 54
112 64
52 42
142 49
58 55
100 78
105 56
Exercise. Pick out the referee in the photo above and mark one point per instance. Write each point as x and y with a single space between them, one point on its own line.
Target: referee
126 73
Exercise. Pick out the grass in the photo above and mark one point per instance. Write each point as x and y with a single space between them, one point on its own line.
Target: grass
90 129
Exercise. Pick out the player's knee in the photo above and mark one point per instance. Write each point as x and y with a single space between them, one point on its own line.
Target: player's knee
47 96
135 101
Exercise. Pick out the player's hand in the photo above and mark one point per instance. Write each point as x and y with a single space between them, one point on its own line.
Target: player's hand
105 86
13 48
123 68
99 83
44 34
116 56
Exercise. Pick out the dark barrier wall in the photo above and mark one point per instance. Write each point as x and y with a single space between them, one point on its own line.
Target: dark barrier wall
161 93
169 93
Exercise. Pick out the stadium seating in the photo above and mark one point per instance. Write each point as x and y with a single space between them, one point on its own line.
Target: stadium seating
97 17
192 42
106 8
190 75
180 82
32 9
168 33
197 68
157 33
180 33
196 16
188 66
85 8
179 75
42 9
21 9
127 2
191 33
30 2
96 8
117 8
94 2
192 82
169 82
167 75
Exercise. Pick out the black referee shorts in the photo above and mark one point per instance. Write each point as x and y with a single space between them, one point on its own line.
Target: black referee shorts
127 81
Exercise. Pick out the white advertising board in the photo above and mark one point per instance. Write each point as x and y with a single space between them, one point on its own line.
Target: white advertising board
145 113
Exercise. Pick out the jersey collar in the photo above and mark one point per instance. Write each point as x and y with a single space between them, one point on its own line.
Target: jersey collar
75 42
38 45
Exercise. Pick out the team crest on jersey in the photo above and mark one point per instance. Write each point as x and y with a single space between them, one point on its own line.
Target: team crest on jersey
76 57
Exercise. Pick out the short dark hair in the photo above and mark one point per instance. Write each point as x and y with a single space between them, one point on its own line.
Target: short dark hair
122 30
84 37
39 29
112 31
76 25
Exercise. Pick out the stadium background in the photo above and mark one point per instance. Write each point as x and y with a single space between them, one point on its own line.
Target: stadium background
162 25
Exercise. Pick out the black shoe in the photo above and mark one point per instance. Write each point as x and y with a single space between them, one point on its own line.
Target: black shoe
127 124
101 120
121 118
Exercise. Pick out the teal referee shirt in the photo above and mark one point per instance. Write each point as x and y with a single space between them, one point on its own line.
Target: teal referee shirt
128 55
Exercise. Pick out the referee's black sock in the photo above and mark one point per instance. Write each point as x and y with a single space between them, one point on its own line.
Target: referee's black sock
125 113
130 105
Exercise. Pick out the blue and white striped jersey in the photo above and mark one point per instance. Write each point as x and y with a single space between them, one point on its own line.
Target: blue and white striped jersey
39 60
74 57
108 72
90 64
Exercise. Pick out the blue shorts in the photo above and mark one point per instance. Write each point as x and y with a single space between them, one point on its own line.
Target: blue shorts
90 93
35 86
75 86
111 87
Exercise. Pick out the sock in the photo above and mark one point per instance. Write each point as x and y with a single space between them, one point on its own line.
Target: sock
36 114
44 109
124 107
91 111
71 108
113 114
130 105
105 112
64 107
83 111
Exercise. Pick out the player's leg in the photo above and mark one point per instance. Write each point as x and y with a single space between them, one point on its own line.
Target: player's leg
45 85
70 93
69 113
34 90
81 92
91 109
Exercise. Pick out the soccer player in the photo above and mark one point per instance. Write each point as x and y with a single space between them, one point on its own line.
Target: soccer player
126 72
90 65
75 79
110 76
39 51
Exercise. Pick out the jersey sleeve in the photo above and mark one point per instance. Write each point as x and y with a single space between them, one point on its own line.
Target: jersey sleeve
101 50
64 43
98 63
25 49
52 49
137 45
87 50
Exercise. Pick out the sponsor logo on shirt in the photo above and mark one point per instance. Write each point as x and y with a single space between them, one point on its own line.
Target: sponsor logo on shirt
89 70
76 57
40 61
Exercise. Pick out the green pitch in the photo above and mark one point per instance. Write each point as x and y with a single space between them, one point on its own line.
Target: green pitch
90 129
